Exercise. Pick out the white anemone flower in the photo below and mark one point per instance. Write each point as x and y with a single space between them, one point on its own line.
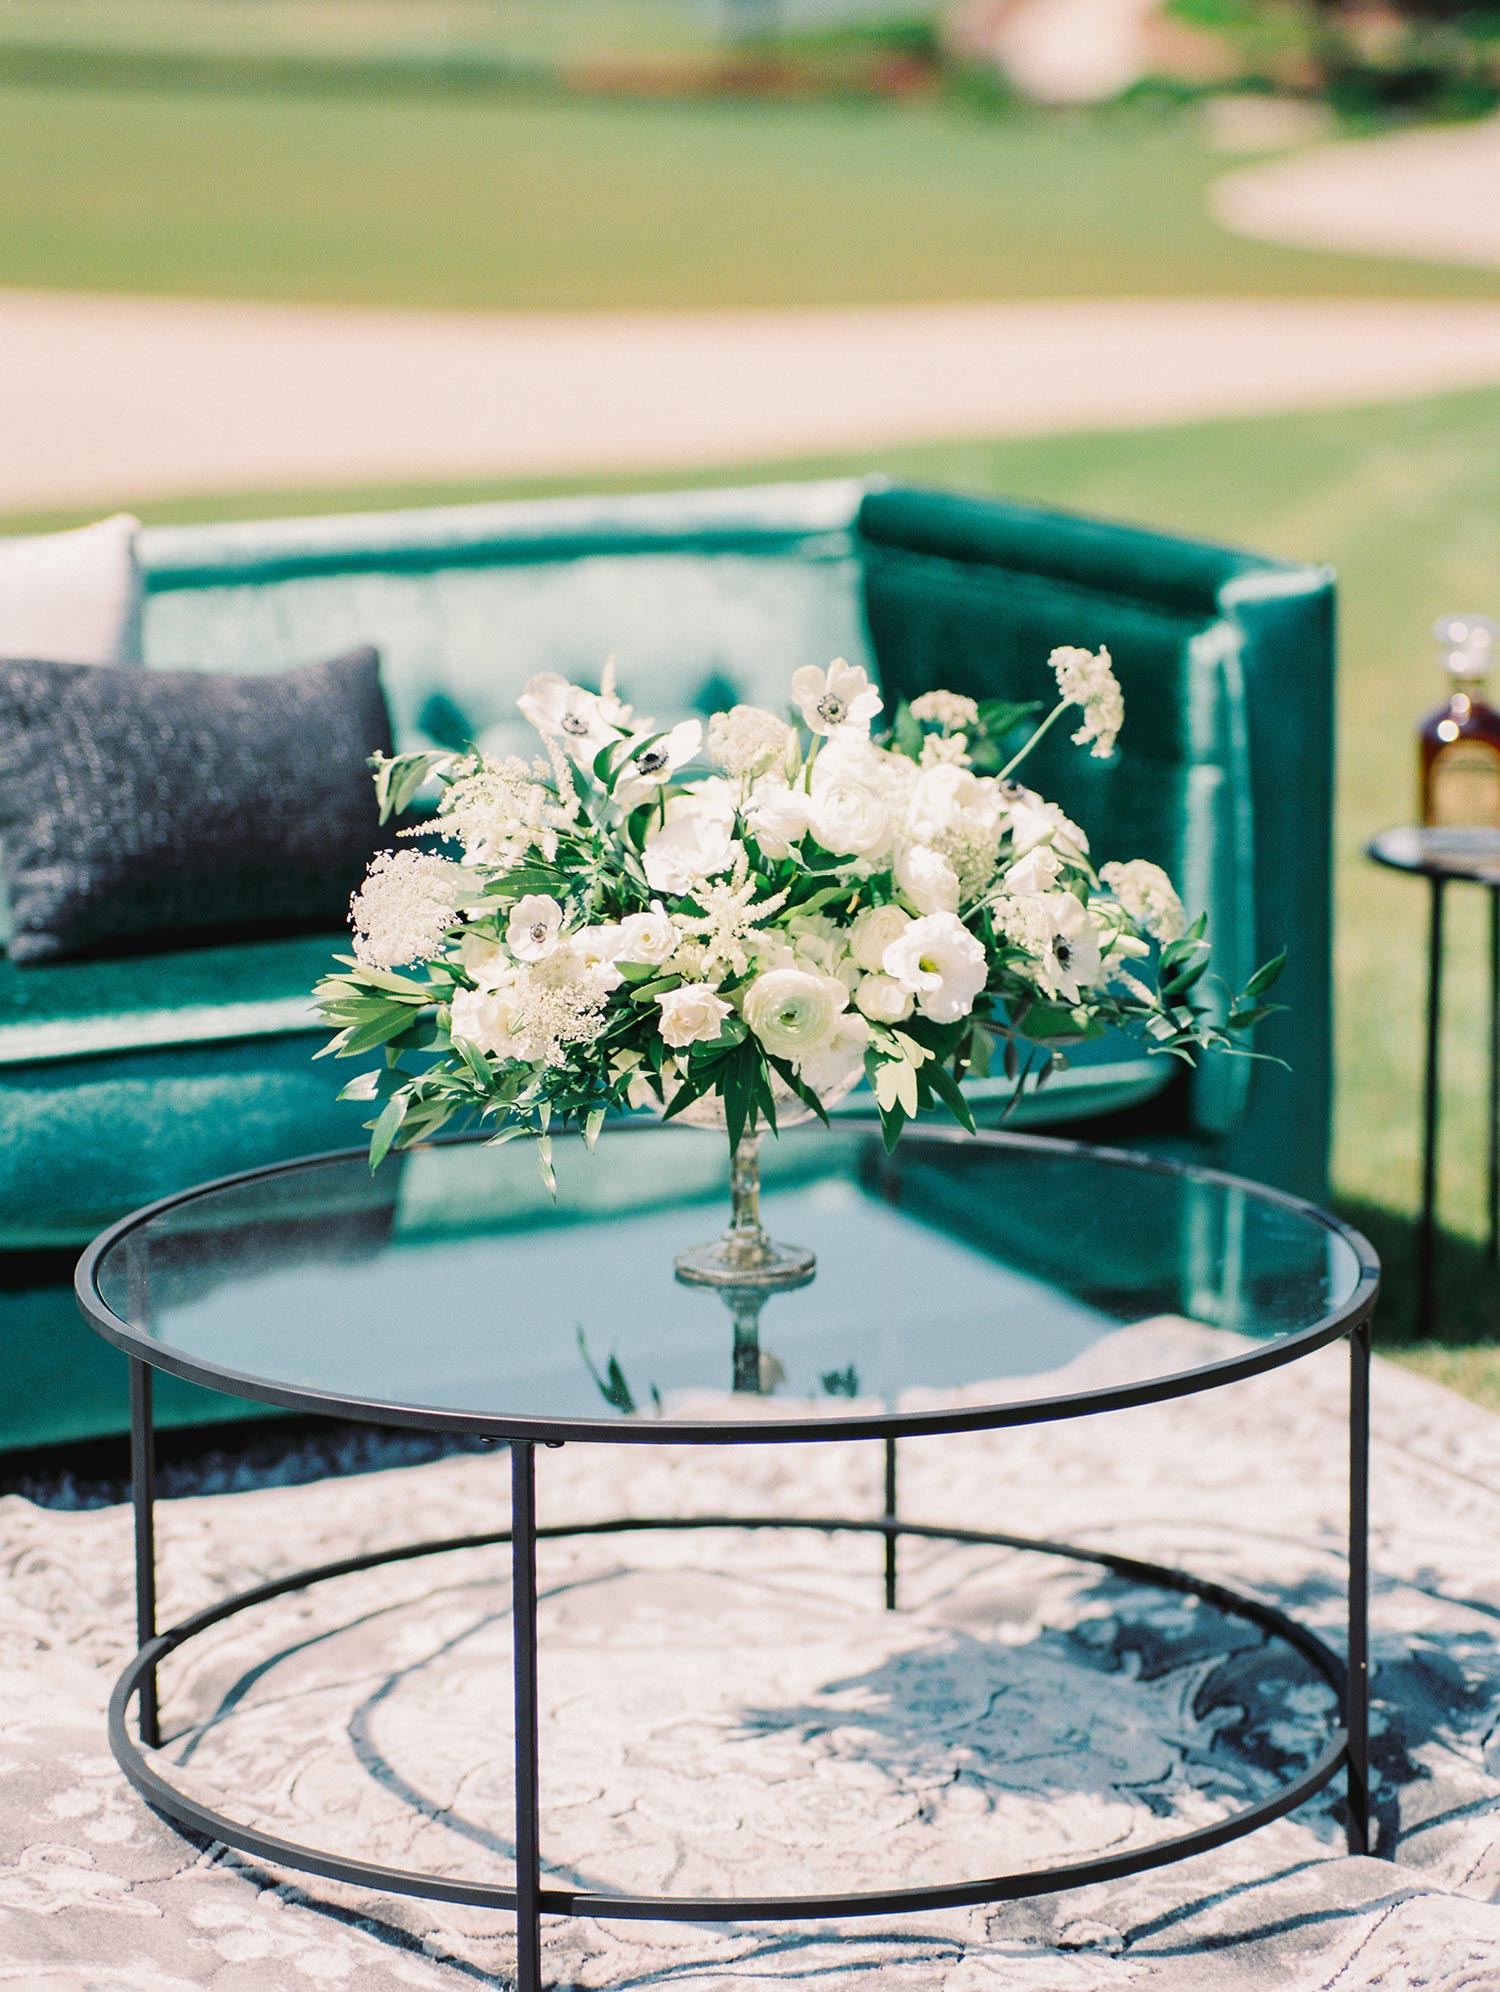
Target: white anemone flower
580 719
650 766
793 1011
533 927
840 696
941 963
1061 935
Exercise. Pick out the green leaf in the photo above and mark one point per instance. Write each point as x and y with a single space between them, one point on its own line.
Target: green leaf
386 1129
1267 976
1246 1020
998 717
389 1023
906 735
797 1085
951 1094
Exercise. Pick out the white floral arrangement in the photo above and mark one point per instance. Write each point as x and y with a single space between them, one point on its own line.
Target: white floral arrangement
627 927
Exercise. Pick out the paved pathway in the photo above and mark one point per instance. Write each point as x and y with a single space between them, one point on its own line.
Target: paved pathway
1432 194
106 399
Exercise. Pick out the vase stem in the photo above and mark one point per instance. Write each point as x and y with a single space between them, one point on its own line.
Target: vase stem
744 1255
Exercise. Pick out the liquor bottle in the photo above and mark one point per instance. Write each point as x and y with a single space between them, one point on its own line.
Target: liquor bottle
1460 742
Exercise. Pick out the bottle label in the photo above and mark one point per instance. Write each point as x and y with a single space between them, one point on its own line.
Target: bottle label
1465 786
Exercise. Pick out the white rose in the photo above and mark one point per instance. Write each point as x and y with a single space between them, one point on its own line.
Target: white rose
487 1018
949 797
1037 872
691 1014
647 937
791 1011
941 963
884 1000
927 879
532 930
849 819
840 696
1033 821
596 950
778 817
873 932
687 850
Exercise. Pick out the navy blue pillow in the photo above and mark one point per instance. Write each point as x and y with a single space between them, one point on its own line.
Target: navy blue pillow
145 809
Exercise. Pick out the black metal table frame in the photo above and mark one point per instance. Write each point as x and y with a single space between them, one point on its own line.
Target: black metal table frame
530 1898
1439 878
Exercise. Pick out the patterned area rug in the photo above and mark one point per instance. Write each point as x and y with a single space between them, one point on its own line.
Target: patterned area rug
728 1712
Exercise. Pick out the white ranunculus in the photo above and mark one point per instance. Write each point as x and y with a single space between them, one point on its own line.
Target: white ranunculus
487 1019
710 799
840 696
884 1000
579 719
692 1014
687 850
941 963
849 819
793 1011
648 768
872 933
532 930
647 937
777 816
833 1066
927 879
850 755
1037 872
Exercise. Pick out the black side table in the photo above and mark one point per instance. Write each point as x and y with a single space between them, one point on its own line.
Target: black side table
1471 856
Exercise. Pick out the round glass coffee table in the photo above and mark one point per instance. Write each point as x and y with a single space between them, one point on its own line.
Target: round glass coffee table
450 1293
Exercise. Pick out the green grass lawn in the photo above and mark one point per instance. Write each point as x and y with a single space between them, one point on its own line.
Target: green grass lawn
1405 502
537 203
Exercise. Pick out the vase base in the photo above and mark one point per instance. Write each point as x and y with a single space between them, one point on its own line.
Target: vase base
757 1262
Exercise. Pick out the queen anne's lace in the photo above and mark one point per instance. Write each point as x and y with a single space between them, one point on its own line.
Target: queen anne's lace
1087 678
404 910
1148 896
949 710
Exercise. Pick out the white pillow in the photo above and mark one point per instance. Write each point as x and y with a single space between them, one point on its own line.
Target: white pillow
73 598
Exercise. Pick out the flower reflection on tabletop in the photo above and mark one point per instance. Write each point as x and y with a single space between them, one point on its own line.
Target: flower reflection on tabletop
755 917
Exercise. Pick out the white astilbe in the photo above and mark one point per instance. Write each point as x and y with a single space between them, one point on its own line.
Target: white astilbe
731 915
1148 896
949 710
500 810
1087 678
405 908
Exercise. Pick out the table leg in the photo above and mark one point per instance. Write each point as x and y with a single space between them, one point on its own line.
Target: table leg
1357 1696
1426 1235
1495 1075
890 1516
528 1805
143 1498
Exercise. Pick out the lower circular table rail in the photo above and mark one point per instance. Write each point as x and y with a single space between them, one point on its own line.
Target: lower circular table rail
204 1821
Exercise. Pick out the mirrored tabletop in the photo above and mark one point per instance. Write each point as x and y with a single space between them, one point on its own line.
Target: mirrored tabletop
449 1289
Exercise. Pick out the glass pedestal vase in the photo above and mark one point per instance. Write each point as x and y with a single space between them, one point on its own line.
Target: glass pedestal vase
744 1256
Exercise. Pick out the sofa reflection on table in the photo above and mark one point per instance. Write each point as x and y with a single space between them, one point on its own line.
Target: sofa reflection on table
123 1080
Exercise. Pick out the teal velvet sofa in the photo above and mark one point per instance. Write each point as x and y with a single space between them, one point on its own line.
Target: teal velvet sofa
124 1080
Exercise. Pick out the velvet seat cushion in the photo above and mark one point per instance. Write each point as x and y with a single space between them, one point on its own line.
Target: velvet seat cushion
142 809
